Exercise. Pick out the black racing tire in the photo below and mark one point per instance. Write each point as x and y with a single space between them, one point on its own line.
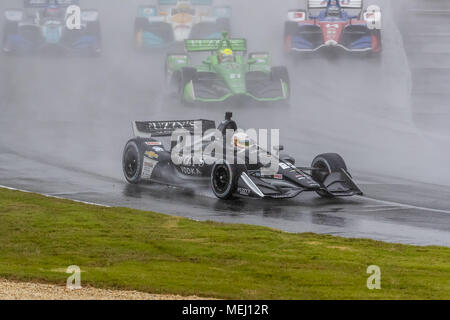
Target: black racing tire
9 29
283 74
170 81
380 38
224 179
329 163
185 75
377 56
94 29
290 28
162 29
166 71
280 73
171 84
132 161
30 32
140 24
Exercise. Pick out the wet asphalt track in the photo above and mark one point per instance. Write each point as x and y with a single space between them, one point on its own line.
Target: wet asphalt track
65 121
426 30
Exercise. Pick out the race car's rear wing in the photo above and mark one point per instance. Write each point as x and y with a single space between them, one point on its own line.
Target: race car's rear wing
353 7
238 45
147 11
147 129
45 3
345 4
192 2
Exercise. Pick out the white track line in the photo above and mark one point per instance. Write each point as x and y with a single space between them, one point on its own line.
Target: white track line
405 206
57 197
391 203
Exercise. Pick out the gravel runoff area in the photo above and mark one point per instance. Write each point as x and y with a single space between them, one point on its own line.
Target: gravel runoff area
13 290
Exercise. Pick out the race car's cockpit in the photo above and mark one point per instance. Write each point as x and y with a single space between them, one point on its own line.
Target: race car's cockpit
53 12
226 55
334 12
241 141
183 10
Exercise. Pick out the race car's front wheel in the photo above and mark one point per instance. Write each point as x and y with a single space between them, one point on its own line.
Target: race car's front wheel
173 78
324 165
132 162
224 179
94 30
9 29
291 29
186 75
282 74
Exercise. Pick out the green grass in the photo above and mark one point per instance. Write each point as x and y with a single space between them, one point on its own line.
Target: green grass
130 249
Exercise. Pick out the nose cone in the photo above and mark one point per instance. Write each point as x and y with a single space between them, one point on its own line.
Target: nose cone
183 18
182 32
238 86
332 32
307 183
52 34
234 76
331 43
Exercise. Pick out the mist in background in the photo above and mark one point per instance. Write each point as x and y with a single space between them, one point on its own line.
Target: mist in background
76 112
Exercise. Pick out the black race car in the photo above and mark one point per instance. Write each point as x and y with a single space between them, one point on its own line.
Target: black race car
151 156
41 26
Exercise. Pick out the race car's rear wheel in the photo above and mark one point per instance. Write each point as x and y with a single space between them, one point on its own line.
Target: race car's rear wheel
132 162
224 179
326 164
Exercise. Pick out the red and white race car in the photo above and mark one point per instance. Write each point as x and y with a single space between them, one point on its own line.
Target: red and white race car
337 24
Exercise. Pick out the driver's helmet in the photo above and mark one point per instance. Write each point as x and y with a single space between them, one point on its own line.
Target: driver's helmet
334 11
226 55
241 141
52 11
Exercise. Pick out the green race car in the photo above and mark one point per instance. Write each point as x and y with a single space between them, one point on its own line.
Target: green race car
226 75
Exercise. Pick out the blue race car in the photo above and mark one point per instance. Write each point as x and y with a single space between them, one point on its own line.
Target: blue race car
334 24
170 22
41 27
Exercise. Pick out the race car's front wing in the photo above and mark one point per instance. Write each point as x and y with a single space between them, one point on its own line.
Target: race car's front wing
162 36
217 91
337 184
354 38
17 43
